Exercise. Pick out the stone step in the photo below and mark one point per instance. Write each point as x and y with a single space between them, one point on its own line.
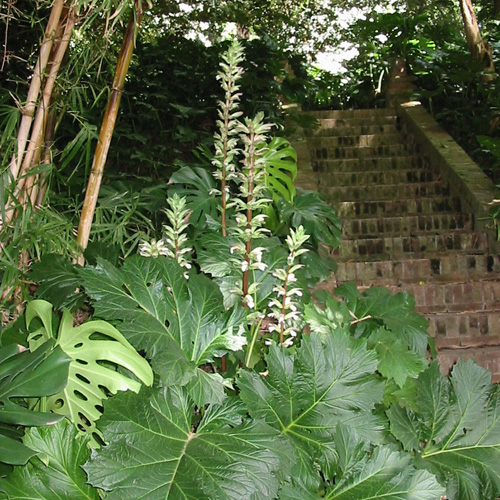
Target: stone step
433 267
469 328
403 226
384 192
360 141
393 247
410 176
458 297
388 128
340 152
352 113
485 355
388 208
383 164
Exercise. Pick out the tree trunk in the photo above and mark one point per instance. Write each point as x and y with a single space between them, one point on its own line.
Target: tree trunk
478 47
107 127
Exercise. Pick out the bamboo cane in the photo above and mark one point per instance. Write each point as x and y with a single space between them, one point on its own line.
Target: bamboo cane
37 133
107 128
32 154
28 109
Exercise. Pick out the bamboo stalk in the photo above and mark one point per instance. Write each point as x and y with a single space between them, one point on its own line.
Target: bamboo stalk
32 154
107 128
37 133
28 109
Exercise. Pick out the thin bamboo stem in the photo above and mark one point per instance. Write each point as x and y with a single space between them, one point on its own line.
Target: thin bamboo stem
41 116
28 110
33 152
107 128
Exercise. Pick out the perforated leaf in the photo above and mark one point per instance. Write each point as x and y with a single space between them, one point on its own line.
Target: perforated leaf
225 457
281 167
181 324
96 349
305 395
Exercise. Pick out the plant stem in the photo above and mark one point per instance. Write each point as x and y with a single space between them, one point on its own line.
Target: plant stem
255 330
107 128
283 307
248 246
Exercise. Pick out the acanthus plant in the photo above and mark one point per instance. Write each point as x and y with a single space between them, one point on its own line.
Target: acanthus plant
351 410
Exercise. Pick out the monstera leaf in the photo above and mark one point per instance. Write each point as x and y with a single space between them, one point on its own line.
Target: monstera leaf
27 375
224 456
382 472
181 324
305 395
455 430
96 349
281 167
56 473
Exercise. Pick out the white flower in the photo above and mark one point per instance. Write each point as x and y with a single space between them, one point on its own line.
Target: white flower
268 342
288 342
153 249
249 301
244 265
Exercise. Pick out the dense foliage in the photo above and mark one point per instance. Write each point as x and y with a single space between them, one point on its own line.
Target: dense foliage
209 371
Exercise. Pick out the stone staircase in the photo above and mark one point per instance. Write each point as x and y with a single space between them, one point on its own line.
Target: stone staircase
404 228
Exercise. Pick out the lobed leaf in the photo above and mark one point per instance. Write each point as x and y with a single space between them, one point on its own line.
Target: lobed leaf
226 457
56 473
458 422
181 324
360 474
305 395
378 306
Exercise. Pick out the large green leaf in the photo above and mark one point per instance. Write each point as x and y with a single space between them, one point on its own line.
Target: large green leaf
315 215
382 472
396 359
197 185
27 375
458 424
225 457
58 279
281 167
181 324
377 306
305 395
56 473
96 349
